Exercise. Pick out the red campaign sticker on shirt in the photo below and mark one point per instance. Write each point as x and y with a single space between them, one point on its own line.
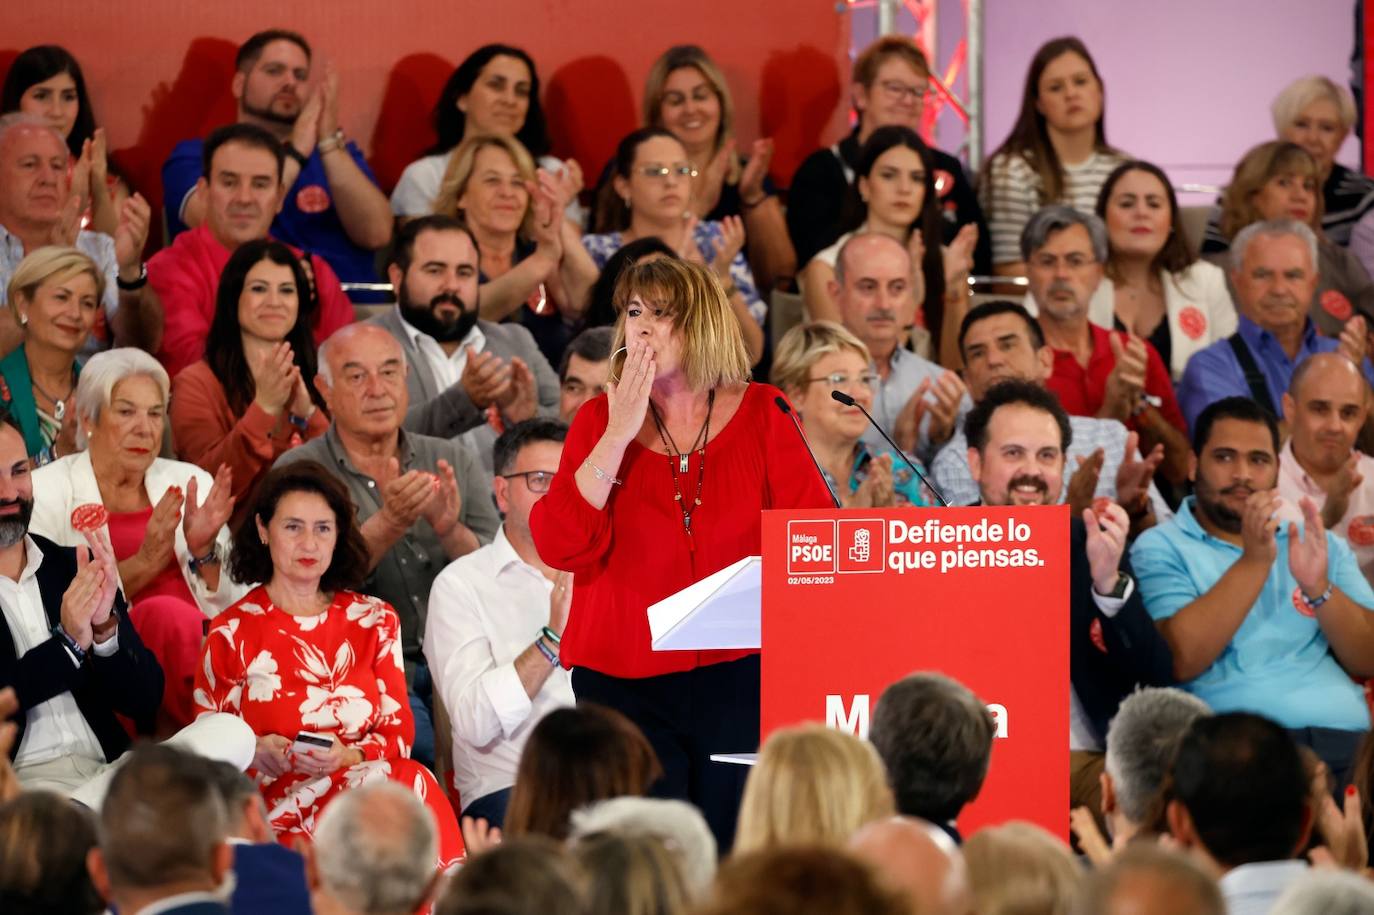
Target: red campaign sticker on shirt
312 199
944 183
1300 603
89 517
1361 531
1095 633
1192 322
1336 305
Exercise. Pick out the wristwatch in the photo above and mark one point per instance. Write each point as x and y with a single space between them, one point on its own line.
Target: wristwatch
1118 591
134 285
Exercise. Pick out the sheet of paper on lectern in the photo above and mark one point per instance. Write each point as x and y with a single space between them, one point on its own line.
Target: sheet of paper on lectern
720 611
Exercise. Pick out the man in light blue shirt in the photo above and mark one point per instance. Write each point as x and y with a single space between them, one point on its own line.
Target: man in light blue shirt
1260 616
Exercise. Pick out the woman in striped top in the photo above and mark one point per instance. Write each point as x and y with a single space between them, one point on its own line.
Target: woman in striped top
1057 151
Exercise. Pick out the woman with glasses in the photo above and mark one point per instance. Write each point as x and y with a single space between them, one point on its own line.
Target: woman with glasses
1057 151
809 362
532 267
654 180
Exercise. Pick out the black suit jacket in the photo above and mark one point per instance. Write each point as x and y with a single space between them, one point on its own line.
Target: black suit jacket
129 682
1131 652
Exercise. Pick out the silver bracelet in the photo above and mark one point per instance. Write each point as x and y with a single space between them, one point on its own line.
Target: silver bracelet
600 474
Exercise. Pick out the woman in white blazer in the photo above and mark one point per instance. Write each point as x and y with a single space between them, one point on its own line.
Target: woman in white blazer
1153 285
166 519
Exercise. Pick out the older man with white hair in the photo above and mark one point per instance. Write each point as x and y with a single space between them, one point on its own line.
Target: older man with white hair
373 853
1274 272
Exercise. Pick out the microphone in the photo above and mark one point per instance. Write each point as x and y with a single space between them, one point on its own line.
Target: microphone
848 401
786 408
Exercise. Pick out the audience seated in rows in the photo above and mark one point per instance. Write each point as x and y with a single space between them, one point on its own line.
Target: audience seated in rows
812 785
1018 437
253 397
584 370
1279 180
167 520
420 501
932 778
1056 154
810 362
894 194
46 81
653 178
913 397
889 85
40 205
1325 407
1154 286
326 197
492 637
1240 806
464 374
494 91
1274 272
1095 371
534 268
55 294
240 188
1260 613
1000 341
305 651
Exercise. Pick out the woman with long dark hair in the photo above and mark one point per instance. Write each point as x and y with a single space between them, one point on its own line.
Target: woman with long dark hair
894 194
1057 151
495 90
46 81
252 397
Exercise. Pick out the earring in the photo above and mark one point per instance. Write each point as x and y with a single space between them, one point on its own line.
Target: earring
627 203
23 320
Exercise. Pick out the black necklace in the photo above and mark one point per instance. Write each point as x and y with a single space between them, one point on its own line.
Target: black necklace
682 460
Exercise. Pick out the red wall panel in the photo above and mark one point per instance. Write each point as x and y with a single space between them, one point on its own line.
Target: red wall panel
159 70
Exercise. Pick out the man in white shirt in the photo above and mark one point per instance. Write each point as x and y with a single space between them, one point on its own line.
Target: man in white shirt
466 375
1242 806
1325 406
496 618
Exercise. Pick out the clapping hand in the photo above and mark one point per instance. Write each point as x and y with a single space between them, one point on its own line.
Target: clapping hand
1258 527
406 496
1135 473
134 217
1083 483
203 521
103 620
1107 532
731 243
521 400
82 599
706 187
9 733
876 490
1354 340
276 378
486 378
1307 555
1127 377
957 256
751 190
442 512
948 391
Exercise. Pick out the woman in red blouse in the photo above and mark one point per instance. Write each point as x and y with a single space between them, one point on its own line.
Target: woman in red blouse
305 653
661 483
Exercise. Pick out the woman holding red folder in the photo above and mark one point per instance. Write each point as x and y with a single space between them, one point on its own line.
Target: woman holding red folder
662 482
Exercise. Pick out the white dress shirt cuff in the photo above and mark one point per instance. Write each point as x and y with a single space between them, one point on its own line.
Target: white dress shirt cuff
1111 606
507 697
108 647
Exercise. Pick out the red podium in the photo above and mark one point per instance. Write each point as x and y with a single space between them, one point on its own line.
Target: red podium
854 600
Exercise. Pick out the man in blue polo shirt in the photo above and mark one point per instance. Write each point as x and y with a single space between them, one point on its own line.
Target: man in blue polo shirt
1274 272
333 207
1261 616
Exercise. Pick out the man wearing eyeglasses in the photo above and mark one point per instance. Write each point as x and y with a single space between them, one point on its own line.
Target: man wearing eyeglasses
493 634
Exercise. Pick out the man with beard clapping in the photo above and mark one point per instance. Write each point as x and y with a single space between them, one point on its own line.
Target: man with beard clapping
465 375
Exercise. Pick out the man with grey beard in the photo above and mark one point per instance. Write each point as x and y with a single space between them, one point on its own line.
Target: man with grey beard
67 646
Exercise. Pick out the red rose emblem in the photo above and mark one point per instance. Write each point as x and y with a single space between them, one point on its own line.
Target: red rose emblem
1336 305
1192 322
1300 603
1361 531
312 199
1095 633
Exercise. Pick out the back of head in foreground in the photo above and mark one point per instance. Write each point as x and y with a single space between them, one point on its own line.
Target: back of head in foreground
374 853
1146 879
1327 893
631 875
525 875
1240 791
1141 742
1020 869
935 739
801 881
677 824
44 840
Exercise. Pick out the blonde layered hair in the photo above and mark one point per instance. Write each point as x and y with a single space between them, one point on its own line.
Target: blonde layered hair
1305 90
461 166
805 345
1020 869
680 57
812 785
1255 169
54 263
713 352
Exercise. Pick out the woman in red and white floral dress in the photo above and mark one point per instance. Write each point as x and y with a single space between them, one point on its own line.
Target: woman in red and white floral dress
305 652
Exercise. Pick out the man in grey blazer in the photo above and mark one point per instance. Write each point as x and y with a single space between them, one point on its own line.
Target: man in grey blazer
467 376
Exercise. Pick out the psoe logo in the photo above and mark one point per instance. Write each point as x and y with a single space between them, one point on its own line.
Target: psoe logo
810 547
862 545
